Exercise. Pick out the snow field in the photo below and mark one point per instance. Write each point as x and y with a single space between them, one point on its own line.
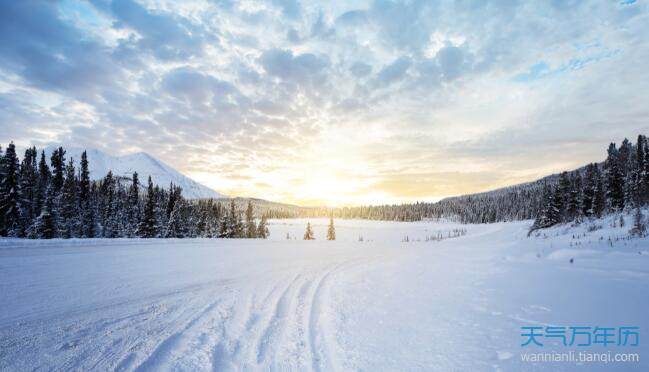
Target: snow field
277 304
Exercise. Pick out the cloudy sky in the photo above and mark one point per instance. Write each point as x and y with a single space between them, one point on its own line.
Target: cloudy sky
336 102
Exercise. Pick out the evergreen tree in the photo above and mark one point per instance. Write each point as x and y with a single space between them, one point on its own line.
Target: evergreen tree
2 179
599 201
133 205
174 196
615 179
251 228
262 228
234 228
590 185
574 198
58 169
9 193
69 211
107 207
174 225
28 189
308 234
86 228
562 196
640 192
331 231
549 215
44 176
148 225
45 226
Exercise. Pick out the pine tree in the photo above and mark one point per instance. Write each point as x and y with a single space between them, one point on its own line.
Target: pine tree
45 226
549 215
234 228
639 189
58 169
28 189
615 179
588 194
133 205
173 197
331 231
262 228
599 200
69 210
2 179
562 196
574 199
174 225
9 193
148 225
44 176
308 235
251 228
87 225
107 207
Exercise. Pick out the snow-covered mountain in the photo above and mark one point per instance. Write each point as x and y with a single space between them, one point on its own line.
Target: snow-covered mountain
145 165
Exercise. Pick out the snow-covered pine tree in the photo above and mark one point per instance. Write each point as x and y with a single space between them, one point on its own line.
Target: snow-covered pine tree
331 230
69 207
599 200
574 199
174 224
645 173
174 194
57 160
148 224
262 228
639 190
161 199
45 225
9 193
308 234
251 228
201 223
562 196
549 214
44 176
107 208
2 178
133 206
615 179
234 228
588 193
28 188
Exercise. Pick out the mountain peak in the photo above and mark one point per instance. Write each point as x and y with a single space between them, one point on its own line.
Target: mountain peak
141 162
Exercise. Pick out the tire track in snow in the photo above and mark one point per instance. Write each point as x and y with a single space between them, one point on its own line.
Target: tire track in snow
317 346
276 327
259 323
161 354
321 345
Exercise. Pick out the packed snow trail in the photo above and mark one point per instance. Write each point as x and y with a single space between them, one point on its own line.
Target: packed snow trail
277 304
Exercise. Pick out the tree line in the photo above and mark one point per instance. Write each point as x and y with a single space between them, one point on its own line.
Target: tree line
57 199
620 183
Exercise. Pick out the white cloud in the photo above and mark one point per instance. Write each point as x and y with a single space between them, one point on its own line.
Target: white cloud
255 83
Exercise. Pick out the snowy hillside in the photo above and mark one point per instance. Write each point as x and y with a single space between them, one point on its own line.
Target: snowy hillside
145 165
380 304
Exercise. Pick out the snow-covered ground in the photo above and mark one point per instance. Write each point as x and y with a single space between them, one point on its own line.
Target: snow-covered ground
379 304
